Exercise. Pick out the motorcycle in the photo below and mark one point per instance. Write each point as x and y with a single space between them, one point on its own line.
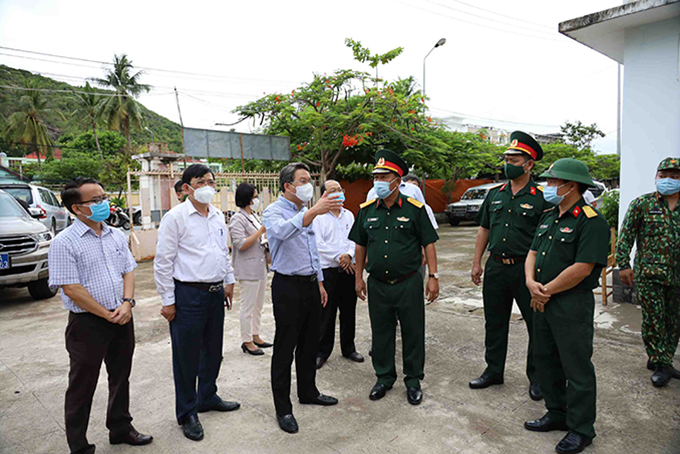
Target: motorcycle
118 217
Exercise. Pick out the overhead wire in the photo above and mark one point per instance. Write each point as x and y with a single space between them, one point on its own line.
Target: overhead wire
502 15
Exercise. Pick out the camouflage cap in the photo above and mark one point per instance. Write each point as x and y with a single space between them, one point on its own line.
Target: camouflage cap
569 169
669 163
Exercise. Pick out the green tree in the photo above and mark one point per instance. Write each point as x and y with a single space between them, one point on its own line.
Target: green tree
122 112
89 110
72 165
579 135
26 126
363 55
111 143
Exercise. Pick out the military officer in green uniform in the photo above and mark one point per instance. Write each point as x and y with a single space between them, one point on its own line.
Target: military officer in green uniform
569 250
653 221
392 230
508 219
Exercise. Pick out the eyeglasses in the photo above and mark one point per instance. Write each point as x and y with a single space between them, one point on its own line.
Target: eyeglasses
201 183
336 191
95 200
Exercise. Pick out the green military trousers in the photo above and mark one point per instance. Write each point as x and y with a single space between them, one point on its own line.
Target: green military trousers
563 347
502 285
660 317
388 303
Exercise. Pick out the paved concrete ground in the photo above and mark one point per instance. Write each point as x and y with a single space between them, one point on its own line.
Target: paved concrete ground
633 417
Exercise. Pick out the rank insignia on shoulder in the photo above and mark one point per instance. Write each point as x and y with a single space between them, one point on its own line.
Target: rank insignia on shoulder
403 219
540 188
365 204
526 206
589 211
566 230
415 202
533 190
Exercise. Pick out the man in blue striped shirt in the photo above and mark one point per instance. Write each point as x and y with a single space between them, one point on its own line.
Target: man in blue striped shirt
297 290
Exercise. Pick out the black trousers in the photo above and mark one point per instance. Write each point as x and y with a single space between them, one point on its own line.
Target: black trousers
297 307
341 295
196 333
89 341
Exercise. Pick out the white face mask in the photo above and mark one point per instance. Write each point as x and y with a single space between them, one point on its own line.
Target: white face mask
255 204
204 195
304 192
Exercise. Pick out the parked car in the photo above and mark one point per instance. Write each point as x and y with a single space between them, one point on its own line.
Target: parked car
24 243
467 207
54 216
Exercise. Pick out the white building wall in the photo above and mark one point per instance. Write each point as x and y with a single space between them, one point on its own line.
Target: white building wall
651 105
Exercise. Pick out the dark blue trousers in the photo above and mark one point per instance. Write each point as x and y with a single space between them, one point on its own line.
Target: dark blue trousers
196 332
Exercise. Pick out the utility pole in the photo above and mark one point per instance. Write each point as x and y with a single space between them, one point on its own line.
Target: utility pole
184 153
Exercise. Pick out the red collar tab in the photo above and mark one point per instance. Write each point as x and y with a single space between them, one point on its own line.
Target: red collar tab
503 187
533 190
576 211
400 202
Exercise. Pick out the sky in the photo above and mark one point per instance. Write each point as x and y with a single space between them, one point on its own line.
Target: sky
504 63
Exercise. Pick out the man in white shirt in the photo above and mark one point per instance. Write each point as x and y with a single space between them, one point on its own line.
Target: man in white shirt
196 281
336 256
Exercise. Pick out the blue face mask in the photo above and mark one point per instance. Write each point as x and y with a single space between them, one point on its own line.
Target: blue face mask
550 194
338 195
382 188
667 186
100 211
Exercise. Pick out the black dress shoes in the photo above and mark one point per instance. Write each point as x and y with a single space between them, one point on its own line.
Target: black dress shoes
324 401
356 357
192 428
219 405
485 381
263 344
131 437
573 443
320 362
256 352
287 423
535 392
662 376
414 396
674 372
545 424
378 391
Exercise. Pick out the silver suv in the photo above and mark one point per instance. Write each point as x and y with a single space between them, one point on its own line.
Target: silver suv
24 243
53 215
468 206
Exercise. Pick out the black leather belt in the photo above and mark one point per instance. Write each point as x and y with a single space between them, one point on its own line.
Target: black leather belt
310 278
210 287
397 280
509 260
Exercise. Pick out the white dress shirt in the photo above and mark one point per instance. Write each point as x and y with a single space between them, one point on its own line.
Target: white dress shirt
191 248
332 237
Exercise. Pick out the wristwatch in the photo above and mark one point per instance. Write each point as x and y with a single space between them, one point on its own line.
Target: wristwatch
132 301
435 275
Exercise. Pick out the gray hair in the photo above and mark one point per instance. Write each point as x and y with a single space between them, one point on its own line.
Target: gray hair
323 186
412 177
287 174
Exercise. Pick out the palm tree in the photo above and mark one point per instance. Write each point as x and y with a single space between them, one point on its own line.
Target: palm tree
27 126
90 109
122 111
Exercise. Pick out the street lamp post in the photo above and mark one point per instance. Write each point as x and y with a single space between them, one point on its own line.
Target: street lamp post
439 43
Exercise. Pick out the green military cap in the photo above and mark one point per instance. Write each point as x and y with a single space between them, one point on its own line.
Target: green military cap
523 143
569 169
388 161
669 164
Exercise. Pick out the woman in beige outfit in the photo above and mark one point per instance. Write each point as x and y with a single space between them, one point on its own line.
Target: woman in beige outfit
250 266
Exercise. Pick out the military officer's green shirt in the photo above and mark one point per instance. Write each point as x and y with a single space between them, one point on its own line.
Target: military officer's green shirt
580 235
394 236
512 218
656 228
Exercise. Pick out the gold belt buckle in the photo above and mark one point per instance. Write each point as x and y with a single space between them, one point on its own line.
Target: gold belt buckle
508 262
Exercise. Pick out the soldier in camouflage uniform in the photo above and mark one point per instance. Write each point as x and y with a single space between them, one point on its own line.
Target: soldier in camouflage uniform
653 221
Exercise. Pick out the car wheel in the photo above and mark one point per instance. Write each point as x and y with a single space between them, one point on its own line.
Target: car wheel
126 225
454 222
41 290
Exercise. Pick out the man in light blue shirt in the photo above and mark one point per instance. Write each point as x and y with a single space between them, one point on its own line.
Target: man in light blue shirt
297 291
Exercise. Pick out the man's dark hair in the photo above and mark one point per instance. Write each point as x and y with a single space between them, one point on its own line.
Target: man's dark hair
178 186
244 194
412 177
583 188
287 174
195 171
70 195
